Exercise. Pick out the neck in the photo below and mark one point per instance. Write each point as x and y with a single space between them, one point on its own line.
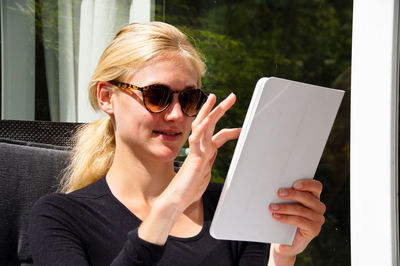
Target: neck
139 177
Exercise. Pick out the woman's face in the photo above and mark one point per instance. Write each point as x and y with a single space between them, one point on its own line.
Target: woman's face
154 135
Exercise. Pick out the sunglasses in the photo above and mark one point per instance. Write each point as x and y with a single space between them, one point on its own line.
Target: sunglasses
158 97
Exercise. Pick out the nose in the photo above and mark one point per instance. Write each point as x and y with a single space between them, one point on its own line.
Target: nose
174 110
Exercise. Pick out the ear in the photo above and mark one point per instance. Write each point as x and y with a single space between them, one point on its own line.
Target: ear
105 93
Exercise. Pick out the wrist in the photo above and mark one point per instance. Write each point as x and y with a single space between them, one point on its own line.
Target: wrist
159 222
166 209
278 259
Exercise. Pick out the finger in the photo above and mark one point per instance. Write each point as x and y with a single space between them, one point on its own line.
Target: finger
222 107
225 135
217 113
310 228
306 198
205 109
198 131
297 210
310 185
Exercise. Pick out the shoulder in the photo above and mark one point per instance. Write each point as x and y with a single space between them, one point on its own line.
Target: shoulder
52 211
67 213
68 203
50 201
54 207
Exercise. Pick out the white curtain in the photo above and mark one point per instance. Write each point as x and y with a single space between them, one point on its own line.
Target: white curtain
60 38
18 59
85 27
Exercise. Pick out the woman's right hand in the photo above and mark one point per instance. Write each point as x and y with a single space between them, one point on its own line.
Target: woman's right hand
193 177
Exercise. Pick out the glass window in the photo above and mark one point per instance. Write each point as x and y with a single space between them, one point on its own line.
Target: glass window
307 41
49 53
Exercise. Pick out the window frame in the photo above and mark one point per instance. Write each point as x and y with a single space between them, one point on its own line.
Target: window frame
374 133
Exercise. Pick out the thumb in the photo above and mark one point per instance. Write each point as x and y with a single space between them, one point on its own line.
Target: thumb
225 135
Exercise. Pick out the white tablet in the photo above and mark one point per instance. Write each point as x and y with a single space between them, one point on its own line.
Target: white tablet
282 139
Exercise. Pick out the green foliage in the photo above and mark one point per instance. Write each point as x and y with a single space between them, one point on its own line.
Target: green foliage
303 40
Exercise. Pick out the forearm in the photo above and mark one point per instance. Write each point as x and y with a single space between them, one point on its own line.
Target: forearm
275 259
158 224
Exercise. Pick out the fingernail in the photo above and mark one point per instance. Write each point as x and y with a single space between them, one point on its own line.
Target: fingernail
283 192
298 185
275 207
276 215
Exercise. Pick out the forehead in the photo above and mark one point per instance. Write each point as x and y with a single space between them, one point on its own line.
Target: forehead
175 71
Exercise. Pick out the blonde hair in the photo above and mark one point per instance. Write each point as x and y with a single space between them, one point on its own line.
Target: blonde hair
134 45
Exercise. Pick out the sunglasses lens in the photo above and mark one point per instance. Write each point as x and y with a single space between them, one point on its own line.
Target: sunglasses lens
191 101
156 98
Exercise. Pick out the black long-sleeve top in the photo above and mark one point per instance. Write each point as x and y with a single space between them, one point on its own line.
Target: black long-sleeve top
91 227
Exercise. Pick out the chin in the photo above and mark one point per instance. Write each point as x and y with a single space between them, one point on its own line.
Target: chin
166 154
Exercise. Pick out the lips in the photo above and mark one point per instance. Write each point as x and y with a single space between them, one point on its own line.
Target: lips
167 132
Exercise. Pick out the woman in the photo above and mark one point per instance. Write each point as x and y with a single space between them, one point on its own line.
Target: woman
126 205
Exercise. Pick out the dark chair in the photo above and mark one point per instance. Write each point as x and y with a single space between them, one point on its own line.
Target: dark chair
32 155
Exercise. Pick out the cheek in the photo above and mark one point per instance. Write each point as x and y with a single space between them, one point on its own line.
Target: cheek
130 117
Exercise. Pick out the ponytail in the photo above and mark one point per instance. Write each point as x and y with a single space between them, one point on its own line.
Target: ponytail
92 155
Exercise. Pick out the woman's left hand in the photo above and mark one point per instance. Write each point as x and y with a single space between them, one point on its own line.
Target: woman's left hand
307 213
